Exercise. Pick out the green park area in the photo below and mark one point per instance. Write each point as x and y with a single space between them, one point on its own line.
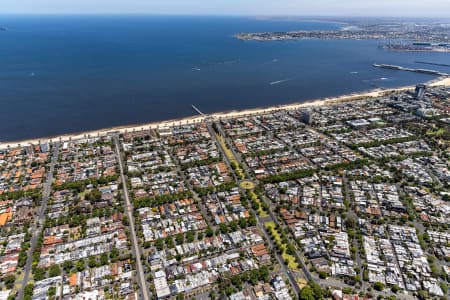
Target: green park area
247 185
234 163
261 212
288 258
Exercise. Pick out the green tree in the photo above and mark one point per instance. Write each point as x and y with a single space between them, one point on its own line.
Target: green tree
92 262
51 291
318 293
28 291
159 244
229 290
179 238
22 259
190 236
169 242
243 223
104 259
307 293
114 254
252 220
423 295
233 226
212 295
54 271
253 277
350 222
444 287
209 232
223 228
38 274
80 265
264 274
9 281
236 281
323 274
347 290
395 288
67 266
378 286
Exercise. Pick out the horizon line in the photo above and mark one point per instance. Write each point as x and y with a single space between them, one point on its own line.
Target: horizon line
279 15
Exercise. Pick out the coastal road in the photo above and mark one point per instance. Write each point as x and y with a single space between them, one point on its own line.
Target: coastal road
144 293
37 225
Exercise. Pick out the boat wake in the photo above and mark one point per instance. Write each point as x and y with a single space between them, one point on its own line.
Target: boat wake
273 61
280 81
229 62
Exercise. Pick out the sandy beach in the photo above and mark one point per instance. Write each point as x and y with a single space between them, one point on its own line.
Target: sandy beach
441 81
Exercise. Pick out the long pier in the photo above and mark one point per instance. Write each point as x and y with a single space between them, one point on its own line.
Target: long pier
400 68
198 111
431 63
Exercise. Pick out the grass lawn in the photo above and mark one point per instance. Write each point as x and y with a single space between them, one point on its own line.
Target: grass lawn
290 260
239 172
261 211
244 184
438 132
302 282
247 185
82 194
271 225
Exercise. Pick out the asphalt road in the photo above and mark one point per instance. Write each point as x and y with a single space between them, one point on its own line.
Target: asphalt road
144 291
37 225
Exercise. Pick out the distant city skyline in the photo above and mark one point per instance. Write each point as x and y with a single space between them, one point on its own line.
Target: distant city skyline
405 8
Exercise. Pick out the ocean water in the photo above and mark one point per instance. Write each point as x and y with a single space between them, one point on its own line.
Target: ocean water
62 74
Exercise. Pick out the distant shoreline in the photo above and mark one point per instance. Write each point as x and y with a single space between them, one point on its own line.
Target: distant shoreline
218 115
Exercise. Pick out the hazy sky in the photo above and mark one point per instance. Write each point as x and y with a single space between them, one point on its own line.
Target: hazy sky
425 8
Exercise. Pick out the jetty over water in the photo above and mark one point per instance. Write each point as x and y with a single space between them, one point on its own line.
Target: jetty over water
400 68
198 111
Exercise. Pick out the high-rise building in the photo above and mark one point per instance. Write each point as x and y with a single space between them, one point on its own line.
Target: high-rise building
420 91
308 116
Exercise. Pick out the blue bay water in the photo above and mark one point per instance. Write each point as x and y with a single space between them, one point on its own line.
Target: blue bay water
62 74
